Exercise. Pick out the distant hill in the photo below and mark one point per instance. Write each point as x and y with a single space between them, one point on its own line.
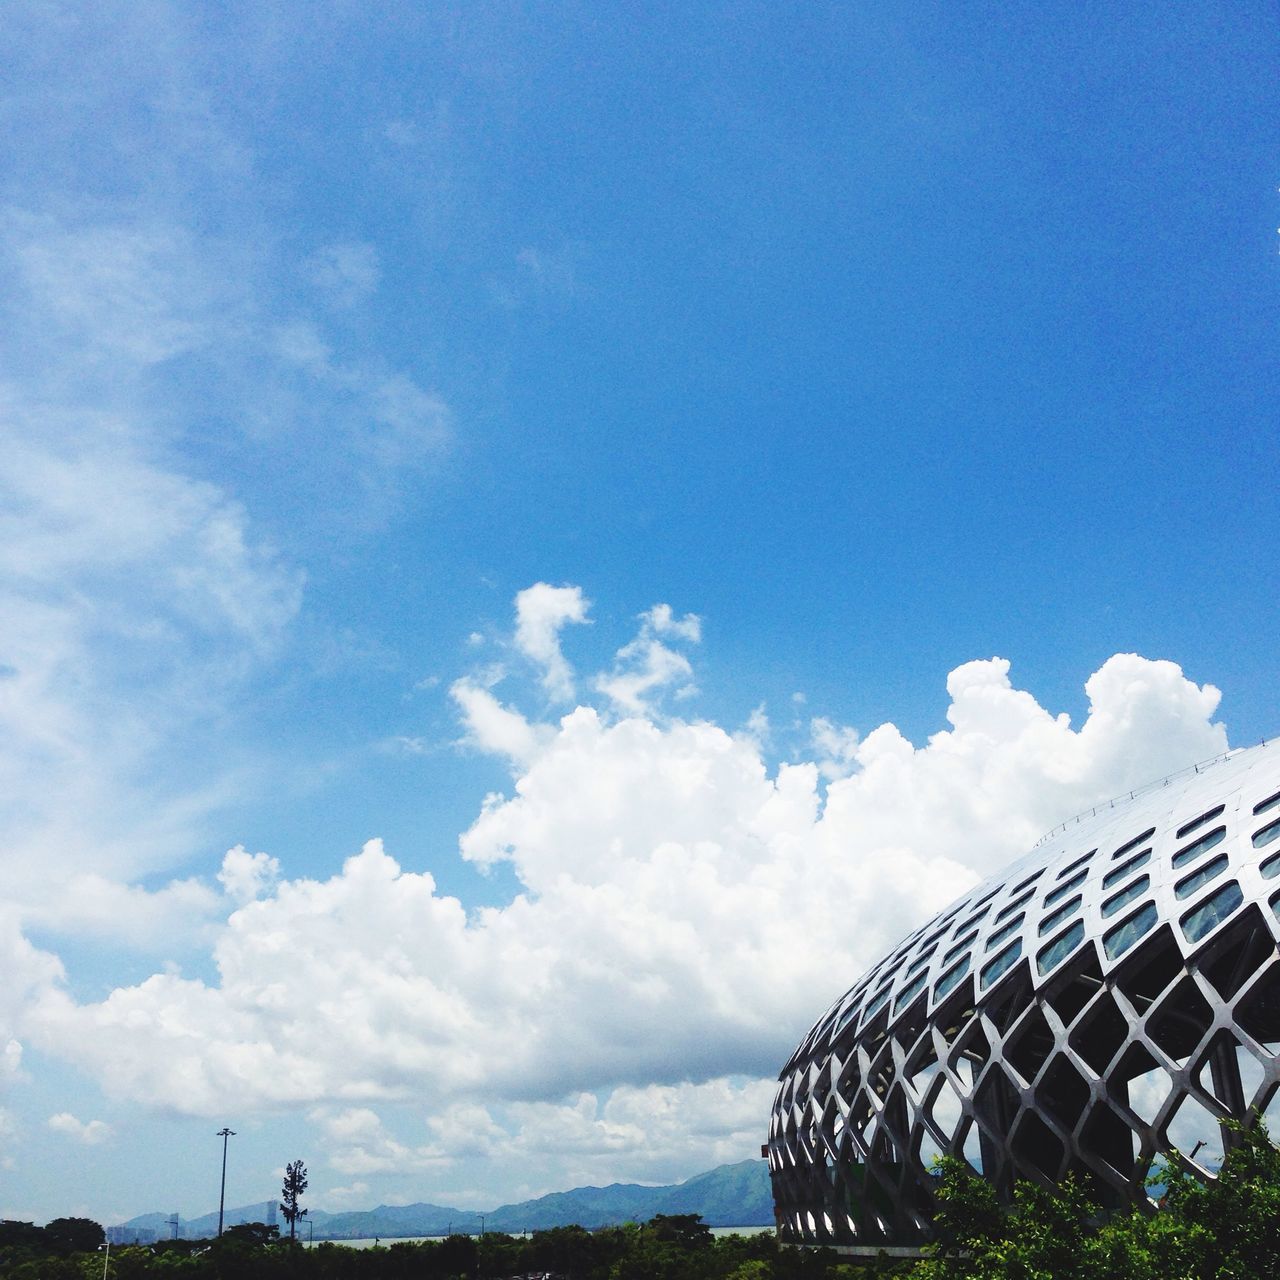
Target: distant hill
734 1195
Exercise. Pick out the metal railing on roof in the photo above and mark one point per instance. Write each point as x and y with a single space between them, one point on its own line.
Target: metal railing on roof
1199 767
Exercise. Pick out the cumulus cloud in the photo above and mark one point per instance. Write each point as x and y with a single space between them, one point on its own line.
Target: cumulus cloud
90 1132
836 746
359 1144
646 666
684 909
494 728
245 876
542 611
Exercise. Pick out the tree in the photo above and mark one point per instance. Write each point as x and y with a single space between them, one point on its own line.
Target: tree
295 1183
74 1235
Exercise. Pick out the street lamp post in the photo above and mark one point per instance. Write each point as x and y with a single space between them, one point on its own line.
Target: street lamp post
224 1133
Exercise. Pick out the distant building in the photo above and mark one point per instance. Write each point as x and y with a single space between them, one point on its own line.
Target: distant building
1113 996
130 1235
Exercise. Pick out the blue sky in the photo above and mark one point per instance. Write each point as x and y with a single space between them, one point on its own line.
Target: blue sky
876 342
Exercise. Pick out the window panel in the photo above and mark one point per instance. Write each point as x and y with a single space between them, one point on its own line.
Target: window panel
1061 947
1265 806
1055 918
1079 862
1005 933
1203 845
1123 936
1208 816
909 992
1012 906
1001 963
1126 896
948 981
1133 844
1267 834
1130 864
1063 889
1212 912
1214 867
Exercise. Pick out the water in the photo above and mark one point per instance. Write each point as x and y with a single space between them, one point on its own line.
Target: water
387 1241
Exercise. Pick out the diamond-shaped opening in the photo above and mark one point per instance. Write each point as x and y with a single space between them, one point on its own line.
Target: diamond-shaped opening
1194 1130
1075 988
1106 1134
1230 1073
1063 1092
996 1101
1182 1019
895 1115
952 1018
930 1150
1141 1084
944 1110
1258 1014
974 1049
860 1111
1099 1032
1030 1045
1239 954
881 1075
1034 1143
971 1147
1013 998
850 1077
1149 969
921 1069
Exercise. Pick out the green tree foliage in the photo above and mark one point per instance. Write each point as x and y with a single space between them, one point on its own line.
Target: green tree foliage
295 1183
74 1235
1226 1229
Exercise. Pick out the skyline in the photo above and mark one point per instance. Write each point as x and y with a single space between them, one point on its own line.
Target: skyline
538 543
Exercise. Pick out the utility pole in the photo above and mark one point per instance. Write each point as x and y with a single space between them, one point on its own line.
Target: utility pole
224 1133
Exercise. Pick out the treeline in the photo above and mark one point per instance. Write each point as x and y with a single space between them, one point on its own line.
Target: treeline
671 1247
1228 1229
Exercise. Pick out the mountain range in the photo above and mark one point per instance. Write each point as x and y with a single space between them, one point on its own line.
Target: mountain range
733 1195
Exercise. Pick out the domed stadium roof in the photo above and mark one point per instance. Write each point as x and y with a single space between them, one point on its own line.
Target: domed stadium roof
1110 998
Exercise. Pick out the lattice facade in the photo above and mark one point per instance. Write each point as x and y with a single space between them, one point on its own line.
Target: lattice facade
1110 998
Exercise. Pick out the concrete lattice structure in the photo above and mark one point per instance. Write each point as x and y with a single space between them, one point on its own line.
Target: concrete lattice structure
1113 996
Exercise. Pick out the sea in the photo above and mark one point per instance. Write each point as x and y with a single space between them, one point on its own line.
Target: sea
387 1241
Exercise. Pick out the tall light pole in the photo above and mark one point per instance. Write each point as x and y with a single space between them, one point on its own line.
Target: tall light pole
224 1133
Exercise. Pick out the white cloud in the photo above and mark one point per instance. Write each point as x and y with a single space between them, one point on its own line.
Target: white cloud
8 1139
91 1132
85 905
684 912
358 1144
646 666
494 728
246 876
336 1199
132 291
542 611
664 622
836 746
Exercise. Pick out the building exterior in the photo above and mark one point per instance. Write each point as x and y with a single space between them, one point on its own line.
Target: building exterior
1112 997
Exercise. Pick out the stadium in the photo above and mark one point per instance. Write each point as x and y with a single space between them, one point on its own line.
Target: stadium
1107 1002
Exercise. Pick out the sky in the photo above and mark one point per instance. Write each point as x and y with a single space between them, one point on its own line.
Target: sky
537 541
